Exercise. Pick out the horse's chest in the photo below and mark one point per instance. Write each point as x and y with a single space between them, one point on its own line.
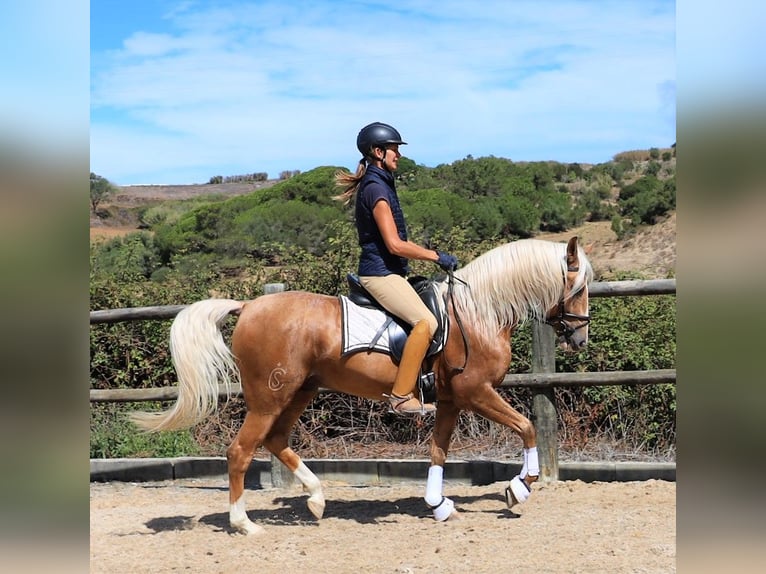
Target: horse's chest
494 361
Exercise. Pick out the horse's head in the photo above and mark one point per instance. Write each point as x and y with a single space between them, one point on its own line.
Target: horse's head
569 318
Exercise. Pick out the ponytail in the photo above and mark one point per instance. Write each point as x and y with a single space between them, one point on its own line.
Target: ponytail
349 182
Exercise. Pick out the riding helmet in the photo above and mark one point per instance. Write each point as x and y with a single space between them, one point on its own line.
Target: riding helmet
377 134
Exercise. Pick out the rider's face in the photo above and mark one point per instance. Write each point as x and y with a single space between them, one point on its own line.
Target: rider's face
391 155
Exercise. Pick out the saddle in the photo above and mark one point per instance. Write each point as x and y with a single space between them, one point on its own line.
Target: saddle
396 329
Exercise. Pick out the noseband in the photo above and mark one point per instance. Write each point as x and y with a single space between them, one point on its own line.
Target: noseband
562 327
560 321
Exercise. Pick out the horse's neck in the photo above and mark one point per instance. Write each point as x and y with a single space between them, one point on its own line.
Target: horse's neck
529 292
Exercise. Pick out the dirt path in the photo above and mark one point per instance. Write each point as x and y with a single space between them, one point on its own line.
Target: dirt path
182 526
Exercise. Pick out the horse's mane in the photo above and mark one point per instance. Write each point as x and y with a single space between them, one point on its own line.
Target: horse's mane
514 282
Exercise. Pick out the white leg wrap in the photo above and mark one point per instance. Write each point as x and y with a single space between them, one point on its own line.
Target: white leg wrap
308 478
519 488
531 464
444 510
239 520
434 486
316 502
442 507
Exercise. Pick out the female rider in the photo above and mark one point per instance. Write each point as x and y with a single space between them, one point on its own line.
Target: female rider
383 264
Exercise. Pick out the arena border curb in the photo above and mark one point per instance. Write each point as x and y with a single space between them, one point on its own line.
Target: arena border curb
370 472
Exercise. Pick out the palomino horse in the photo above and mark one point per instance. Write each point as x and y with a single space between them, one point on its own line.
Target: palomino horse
285 346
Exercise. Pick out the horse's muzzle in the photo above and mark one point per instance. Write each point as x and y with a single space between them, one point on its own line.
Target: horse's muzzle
572 344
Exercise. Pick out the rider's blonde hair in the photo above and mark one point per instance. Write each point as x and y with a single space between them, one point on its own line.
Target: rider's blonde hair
349 182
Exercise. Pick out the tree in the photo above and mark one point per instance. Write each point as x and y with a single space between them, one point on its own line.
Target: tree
406 167
100 189
647 199
520 217
653 168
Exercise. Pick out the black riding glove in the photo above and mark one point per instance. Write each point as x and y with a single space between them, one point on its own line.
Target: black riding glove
446 261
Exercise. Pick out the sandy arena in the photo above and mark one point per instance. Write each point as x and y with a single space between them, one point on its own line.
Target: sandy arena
565 527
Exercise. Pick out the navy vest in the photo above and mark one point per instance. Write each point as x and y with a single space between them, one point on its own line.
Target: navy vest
375 259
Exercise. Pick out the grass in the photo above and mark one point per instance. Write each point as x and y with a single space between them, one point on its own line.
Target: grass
112 435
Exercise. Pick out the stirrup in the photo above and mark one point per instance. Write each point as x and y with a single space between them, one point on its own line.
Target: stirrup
397 405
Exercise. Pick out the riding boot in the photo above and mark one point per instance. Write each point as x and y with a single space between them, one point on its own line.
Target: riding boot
402 400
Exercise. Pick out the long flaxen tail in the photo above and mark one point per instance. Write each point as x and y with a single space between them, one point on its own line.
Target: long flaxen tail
202 361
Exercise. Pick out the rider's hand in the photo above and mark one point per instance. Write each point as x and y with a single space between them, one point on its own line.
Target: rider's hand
446 261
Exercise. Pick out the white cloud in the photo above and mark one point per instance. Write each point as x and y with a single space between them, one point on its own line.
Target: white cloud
289 85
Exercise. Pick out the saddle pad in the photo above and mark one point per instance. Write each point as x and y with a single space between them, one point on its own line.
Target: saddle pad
359 326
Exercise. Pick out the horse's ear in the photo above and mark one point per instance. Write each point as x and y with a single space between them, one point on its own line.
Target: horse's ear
573 261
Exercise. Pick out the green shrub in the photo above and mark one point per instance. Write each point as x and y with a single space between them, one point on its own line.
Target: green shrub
653 168
647 199
112 435
133 257
594 207
618 226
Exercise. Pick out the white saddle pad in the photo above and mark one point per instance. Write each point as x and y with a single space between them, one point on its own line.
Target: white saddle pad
360 325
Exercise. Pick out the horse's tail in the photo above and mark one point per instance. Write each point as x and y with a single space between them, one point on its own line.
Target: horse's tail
201 359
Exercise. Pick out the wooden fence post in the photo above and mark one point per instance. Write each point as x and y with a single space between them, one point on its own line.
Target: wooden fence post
281 477
544 414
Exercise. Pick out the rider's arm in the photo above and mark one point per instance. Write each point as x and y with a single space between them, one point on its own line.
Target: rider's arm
384 219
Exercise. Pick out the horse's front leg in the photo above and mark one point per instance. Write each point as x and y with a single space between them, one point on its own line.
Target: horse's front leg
446 418
520 487
486 402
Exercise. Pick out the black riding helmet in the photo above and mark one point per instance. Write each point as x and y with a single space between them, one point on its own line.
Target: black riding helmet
377 134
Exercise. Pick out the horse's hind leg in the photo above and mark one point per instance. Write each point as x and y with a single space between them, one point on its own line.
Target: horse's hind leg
278 445
239 456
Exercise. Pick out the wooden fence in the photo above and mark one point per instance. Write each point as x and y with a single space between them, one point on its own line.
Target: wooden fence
542 379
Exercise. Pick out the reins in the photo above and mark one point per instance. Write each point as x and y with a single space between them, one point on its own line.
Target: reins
451 296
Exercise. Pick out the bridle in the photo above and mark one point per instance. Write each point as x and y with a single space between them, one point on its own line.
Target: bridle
560 321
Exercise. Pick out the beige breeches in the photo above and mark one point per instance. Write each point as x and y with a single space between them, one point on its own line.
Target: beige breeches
397 296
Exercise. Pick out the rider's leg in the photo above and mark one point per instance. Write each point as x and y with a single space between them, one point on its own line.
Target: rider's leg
399 297
402 399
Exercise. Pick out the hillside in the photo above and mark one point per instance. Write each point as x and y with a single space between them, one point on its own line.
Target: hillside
119 214
652 251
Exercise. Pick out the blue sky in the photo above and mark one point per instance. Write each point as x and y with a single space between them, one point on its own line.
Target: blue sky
44 70
184 90
577 81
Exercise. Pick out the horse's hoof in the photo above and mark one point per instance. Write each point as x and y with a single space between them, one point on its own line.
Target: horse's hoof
249 528
445 510
516 492
316 506
455 516
510 500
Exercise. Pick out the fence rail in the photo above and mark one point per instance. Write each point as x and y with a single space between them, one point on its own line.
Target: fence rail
543 378
596 289
533 380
